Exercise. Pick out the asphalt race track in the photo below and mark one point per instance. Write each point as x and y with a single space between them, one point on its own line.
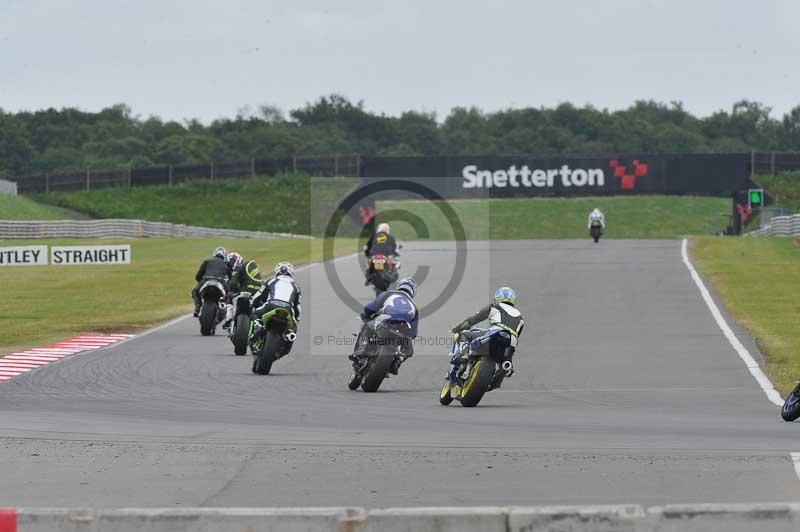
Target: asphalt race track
626 392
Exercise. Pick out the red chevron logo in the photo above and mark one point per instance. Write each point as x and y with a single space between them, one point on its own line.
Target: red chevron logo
628 180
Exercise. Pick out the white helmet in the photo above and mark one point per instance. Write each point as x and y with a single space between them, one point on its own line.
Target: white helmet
284 268
383 228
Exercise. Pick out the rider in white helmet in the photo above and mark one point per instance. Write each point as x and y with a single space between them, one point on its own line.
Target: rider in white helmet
282 287
596 214
381 243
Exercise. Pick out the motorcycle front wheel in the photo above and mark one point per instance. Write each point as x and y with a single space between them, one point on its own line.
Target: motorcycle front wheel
445 397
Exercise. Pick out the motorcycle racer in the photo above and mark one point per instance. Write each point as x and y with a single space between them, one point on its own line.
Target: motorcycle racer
501 313
398 304
281 287
211 268
597 214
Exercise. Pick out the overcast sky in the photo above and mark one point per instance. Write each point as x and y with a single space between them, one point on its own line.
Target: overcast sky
200 59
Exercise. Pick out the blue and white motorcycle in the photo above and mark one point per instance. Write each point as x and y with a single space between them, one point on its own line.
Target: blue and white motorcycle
482 359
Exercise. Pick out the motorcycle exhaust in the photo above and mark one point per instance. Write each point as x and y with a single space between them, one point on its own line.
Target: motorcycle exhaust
290 336
506 365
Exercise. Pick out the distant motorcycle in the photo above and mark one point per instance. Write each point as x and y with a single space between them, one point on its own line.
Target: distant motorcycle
381 272
791 407
270 333
386 350
240 326
212 310
596 230
484 363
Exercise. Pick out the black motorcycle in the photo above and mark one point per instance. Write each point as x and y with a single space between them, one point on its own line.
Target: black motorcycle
240 325
596 230
271 335
483 365
791 407
389 342
212 310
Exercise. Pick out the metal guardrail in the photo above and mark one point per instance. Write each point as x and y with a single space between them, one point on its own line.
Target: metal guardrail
780 226
12 229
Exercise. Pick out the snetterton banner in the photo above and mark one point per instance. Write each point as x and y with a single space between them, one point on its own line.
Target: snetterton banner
503 176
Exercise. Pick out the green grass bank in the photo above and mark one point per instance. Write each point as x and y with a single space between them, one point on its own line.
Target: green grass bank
50 303
520 218
759 280
287 203
21 208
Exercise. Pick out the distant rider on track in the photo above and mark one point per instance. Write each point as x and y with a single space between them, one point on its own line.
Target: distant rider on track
501 313
597 214
280 288
211 268
398 304
381 243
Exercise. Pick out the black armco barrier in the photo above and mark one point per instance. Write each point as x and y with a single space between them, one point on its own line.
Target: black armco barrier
506 176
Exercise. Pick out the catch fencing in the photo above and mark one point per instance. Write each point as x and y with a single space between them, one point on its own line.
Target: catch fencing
11 229
780 226
327 166
773 163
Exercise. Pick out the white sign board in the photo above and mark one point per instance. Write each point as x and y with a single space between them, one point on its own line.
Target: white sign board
72 255
23 256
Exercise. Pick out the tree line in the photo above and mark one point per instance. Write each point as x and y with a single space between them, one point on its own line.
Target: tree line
54 140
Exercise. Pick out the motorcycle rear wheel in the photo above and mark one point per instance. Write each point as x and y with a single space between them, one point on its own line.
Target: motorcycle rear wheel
478 382
208 318
263 362
378 369
241 333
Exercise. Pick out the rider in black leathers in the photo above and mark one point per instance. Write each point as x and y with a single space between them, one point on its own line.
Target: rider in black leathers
211 268
382 243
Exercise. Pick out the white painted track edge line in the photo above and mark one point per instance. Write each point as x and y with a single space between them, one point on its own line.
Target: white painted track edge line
752 365
796 462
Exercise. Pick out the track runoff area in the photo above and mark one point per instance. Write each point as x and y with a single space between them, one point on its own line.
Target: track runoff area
632 386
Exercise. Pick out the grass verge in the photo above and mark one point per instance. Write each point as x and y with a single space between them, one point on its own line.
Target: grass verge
519 218
20 208
49 303
785 188
288 203
759 280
